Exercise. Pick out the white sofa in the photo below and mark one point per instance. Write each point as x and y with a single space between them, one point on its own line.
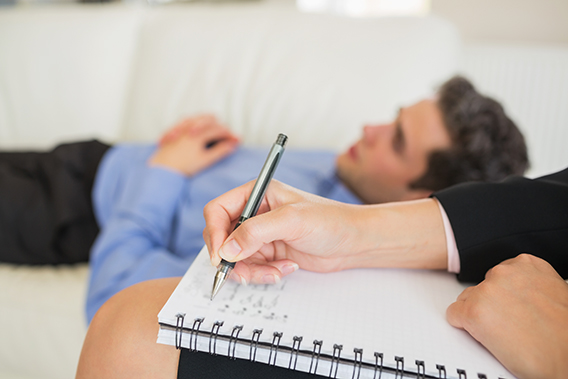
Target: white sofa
120 72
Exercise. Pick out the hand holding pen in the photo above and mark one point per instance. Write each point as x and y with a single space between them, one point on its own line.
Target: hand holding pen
266 173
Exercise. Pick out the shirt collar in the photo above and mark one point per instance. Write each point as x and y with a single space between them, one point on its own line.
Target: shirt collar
332 187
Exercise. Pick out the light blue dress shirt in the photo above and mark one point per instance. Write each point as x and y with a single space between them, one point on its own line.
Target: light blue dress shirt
151 219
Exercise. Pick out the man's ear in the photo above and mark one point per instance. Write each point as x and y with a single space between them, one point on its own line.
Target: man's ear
416 193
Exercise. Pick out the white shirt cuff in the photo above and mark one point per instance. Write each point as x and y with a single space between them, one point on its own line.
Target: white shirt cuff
452 247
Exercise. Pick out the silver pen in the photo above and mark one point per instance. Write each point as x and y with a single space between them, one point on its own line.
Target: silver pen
224 269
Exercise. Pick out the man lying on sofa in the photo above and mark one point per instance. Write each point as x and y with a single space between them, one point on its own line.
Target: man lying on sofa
148 200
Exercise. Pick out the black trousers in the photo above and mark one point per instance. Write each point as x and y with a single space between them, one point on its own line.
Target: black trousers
46 214
199 365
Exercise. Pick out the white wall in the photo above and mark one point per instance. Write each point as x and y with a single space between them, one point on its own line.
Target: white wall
516 51
519 21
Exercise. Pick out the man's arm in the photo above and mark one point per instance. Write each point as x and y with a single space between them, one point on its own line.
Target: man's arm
493 222
132 245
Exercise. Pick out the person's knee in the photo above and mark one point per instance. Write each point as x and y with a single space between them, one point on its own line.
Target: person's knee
121 340
138 303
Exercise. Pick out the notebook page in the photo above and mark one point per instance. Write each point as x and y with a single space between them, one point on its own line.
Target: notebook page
393 311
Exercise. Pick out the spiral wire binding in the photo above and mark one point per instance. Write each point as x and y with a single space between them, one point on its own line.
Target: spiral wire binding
357 363
335 359
194 331
399 367
233 340
179 329
420 374
377 357
254 341
276 336
316 343
441 370
213 336
295 351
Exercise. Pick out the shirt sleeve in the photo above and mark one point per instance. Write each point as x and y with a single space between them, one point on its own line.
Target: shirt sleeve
451 246
132 245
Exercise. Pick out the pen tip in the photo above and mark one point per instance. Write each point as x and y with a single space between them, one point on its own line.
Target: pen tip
223 273
217 284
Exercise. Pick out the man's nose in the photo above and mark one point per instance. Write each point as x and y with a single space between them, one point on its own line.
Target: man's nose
373 132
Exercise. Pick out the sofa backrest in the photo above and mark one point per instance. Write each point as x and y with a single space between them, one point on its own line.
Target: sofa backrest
263 71
126 73
63 73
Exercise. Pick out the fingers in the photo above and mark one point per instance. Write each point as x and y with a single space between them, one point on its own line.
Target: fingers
219 150
200 123
508 277
205 127
280 224
220 214
184 127
463 311
280 228
259 271
193 145
456 312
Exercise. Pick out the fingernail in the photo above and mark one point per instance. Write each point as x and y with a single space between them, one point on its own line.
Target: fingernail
270 279
238 278
215 261
288 269
230 250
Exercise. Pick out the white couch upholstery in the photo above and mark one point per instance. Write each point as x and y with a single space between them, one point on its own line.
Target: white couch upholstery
120 72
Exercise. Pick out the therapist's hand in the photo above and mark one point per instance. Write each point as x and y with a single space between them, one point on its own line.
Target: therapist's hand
193 145
296 229
302 230
520 314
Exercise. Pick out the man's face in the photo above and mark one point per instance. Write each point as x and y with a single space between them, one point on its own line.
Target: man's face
381 165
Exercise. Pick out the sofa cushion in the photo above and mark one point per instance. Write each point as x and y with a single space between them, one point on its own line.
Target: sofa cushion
42 320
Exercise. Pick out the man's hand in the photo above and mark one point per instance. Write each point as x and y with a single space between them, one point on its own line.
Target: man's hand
297 229
193 145
520 314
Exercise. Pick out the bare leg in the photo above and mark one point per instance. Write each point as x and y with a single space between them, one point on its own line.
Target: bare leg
121 340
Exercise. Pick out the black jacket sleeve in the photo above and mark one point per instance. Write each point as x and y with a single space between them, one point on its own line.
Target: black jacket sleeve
493 222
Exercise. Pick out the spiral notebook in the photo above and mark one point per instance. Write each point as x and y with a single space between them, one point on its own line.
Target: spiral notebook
363 323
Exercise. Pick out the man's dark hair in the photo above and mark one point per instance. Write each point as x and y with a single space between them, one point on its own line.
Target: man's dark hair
486 144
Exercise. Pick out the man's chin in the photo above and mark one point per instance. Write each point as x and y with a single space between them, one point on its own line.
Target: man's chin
344 161
341 166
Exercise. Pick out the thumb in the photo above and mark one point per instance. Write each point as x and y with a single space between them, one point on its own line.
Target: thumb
454 314
458 311
256 232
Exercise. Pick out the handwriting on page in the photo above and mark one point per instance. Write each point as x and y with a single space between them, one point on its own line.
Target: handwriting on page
254 301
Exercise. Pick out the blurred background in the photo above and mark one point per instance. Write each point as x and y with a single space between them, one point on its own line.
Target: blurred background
513 50
510 21
314 69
